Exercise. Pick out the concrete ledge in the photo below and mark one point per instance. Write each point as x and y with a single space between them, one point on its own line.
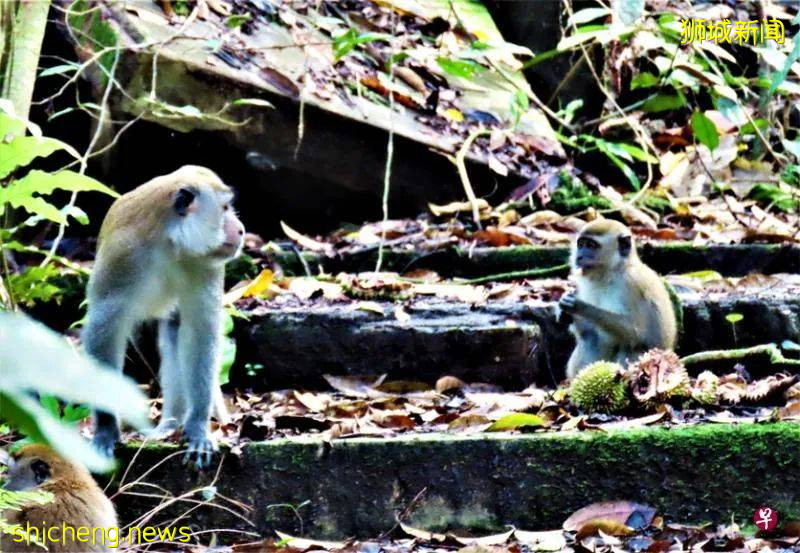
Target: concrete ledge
357 487
507 343
664 257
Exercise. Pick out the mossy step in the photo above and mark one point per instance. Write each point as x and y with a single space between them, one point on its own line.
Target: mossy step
508 343
357 487
664 257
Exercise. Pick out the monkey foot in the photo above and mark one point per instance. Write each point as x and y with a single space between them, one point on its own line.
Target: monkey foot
201 450
104 441
164 429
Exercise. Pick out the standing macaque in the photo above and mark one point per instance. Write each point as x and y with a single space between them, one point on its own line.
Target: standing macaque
621 307
78 502
161 255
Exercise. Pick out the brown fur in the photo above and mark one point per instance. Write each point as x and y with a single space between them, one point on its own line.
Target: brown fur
77 502
621 307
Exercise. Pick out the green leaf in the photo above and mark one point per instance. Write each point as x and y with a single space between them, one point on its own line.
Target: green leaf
664 102
465 69
774 196
60 69
706 274
517 420
24 414
50 403
24 149
227 357
611 150
780 76
705 130
252 102
50 366
345 42
750 128
644 80
43 183
734 318
234 21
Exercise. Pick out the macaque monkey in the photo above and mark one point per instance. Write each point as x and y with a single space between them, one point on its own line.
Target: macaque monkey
78 502
621 307
161 253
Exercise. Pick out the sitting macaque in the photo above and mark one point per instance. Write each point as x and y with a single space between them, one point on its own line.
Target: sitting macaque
621 307
161 255
78 503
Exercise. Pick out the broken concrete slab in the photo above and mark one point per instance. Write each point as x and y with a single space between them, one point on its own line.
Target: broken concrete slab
512 344
333 111
358 487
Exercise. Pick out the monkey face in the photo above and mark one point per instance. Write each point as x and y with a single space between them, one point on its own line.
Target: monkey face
586 253
601 246
204 222
26 473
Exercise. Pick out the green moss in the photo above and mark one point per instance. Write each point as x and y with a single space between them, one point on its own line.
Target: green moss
355 487
573 196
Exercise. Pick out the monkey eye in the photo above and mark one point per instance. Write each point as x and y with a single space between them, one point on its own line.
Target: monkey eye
41 471
584 242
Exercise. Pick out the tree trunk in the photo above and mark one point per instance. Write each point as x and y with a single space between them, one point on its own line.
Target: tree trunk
22 26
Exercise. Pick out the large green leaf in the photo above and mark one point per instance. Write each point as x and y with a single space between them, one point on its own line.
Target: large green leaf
23 413
24 192
34 358
705 131
24 149
664 102
517 420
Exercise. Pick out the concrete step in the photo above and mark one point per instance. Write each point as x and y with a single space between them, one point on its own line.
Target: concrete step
357 487
664 257
510 343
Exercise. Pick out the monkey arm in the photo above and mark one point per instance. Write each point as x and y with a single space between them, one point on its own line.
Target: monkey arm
618 324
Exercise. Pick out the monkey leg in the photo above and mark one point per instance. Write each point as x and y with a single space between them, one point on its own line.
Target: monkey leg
104 338
172 387
198 349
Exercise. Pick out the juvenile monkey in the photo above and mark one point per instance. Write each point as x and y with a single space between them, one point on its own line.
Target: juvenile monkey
621 307
161 253
78 502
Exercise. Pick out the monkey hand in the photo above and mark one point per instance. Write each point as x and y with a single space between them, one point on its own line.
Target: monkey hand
201 448
568 303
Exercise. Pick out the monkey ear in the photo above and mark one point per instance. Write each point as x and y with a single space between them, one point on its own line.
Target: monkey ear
183 199
625 244
41 471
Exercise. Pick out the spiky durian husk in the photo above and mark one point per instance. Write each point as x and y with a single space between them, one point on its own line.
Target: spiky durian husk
599 388
705 388
657 377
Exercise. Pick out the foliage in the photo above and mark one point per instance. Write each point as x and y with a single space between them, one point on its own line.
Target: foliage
48 366
16 501
27 193
228 355
573 196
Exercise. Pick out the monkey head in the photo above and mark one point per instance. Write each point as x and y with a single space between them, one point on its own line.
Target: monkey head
37 465
601 246
203 222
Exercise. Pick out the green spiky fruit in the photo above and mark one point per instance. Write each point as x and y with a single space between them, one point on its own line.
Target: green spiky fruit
599 388
705 388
